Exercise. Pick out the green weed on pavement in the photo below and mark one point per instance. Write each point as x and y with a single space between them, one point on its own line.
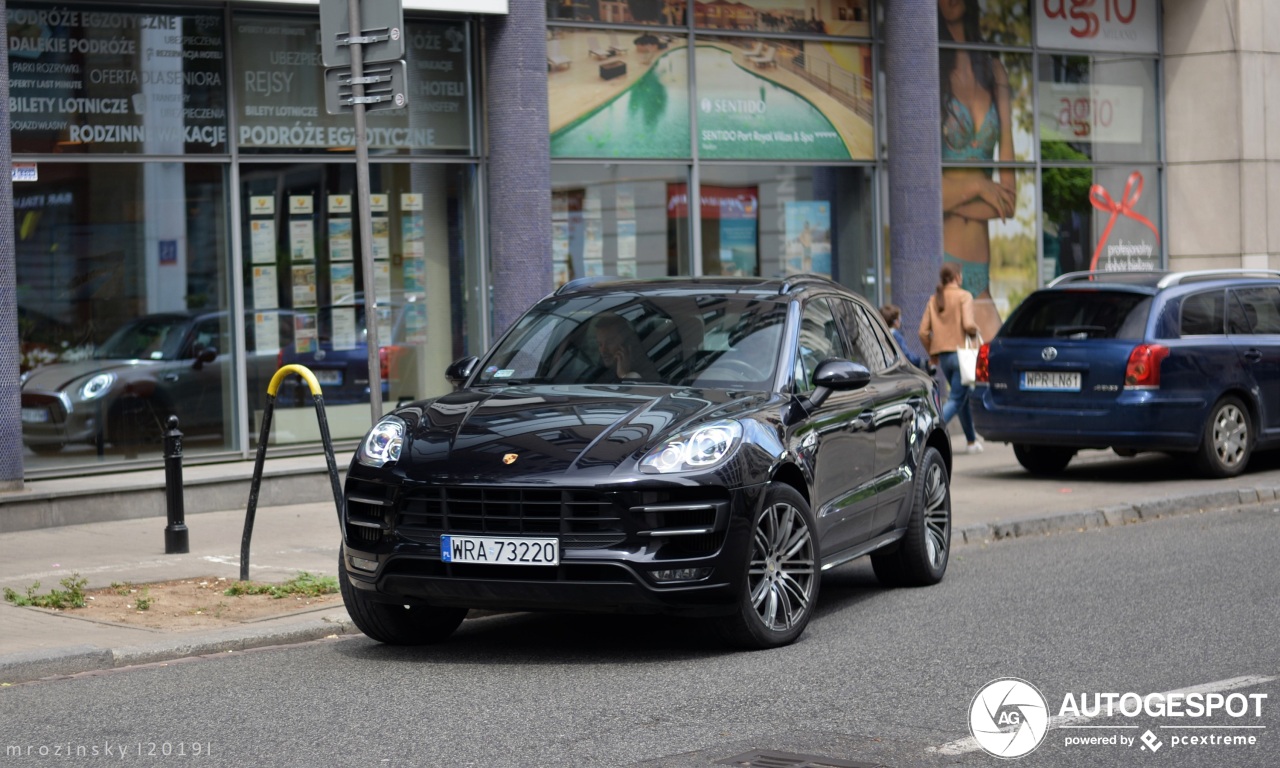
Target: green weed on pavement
71 596
303 585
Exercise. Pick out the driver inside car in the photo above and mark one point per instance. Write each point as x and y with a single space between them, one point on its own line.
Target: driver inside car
621 351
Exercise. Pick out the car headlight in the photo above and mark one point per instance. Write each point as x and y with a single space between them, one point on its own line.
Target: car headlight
97 386
694 449
382 444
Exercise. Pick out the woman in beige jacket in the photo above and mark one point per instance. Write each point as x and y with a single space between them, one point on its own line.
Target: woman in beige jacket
947 321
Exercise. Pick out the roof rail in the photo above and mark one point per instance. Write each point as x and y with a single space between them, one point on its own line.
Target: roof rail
583 282
1178 278
794 281
1087 275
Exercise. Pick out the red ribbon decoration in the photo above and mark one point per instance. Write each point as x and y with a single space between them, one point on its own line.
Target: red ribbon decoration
1103 202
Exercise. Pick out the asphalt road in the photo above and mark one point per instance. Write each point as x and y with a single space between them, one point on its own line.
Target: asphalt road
881 676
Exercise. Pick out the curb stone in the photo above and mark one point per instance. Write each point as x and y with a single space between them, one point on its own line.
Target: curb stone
229 640
34 665
1114 516
30 666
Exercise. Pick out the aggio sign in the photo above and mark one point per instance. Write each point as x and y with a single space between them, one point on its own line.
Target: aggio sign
1121 26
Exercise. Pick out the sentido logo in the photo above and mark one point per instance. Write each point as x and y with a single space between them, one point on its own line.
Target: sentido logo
1008 717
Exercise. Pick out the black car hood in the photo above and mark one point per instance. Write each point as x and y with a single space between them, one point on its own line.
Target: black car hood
484 435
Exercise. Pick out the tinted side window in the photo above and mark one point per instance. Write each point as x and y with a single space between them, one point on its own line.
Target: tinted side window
819 340
865 343
1254 310
877 333
1080 315
1203 314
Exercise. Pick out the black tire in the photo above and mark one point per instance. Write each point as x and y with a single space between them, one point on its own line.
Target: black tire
921 557
780 585
397 624
1043 459
1227 442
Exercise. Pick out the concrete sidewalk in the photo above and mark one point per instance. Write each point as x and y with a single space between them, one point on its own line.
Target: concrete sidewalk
992 498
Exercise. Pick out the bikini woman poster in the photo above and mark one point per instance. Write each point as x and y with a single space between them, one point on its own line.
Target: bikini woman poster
989 205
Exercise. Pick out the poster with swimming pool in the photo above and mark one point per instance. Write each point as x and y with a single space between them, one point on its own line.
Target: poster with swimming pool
771 99
757 99
618 95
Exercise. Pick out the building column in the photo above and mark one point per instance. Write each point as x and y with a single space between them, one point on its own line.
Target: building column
519 175
1222 145
10 396
915 155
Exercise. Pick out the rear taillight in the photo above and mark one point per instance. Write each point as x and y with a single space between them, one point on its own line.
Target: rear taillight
1143 370
391 360
982 374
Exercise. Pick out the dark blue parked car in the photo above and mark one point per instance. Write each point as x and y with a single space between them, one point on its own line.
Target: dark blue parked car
342 370
1138 361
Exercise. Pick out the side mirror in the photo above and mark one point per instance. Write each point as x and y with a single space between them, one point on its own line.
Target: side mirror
460 370
205 355
837 375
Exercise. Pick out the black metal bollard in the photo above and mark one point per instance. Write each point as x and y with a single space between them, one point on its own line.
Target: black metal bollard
175 533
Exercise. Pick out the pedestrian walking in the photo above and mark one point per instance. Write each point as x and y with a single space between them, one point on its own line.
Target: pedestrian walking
947 322
893 318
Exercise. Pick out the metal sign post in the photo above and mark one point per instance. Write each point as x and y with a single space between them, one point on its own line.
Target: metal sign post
383 34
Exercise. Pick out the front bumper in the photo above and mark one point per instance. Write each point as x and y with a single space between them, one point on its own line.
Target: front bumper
59 422
614 542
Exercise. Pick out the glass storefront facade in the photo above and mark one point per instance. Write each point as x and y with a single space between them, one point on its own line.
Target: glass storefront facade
186 228
185 195
713 138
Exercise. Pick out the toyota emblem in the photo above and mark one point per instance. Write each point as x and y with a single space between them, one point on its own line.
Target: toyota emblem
1048 353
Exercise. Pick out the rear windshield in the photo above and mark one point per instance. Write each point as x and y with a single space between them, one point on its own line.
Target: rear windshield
1080 315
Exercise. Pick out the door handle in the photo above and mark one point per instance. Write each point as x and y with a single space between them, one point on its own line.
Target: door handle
861 421
170 377
1253 356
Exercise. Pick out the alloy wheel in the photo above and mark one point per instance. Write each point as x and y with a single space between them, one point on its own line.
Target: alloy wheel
1230 435
937 516
781 576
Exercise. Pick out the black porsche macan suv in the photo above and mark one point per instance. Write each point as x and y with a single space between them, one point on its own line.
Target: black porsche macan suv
697 446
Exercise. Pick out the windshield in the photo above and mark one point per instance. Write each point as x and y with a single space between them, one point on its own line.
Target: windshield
682 340
154 337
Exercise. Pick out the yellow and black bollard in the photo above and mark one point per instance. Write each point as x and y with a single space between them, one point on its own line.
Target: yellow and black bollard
265 433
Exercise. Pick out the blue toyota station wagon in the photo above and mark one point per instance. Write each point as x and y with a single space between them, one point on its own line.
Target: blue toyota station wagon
1177 362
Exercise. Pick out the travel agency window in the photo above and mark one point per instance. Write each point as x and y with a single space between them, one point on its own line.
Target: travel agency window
301 249
783 112
119 137
785 122
1100 143
618 100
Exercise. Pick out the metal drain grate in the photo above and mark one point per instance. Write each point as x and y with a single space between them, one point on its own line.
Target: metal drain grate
766 759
